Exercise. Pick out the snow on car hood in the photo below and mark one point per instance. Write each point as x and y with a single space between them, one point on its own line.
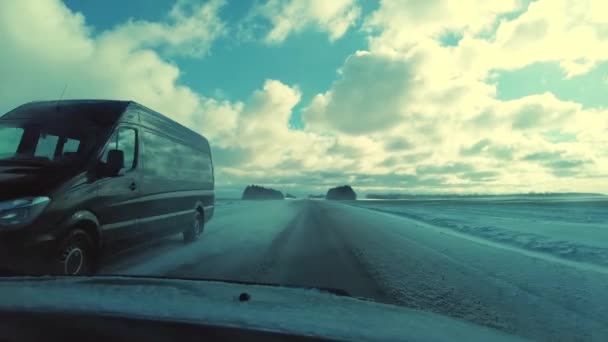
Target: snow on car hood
290 310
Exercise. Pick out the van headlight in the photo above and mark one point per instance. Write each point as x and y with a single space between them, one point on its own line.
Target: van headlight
21 212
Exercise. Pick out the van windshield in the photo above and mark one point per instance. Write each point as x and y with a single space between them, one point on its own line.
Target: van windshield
45 144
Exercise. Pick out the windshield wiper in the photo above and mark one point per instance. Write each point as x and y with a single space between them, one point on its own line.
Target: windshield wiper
27 162
338 292
112 279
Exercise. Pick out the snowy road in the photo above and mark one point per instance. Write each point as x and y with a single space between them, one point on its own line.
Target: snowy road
288 242
388 258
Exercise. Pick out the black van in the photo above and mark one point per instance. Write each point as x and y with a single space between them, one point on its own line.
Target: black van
77 176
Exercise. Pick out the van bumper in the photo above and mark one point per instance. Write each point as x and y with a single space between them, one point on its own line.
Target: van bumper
21 255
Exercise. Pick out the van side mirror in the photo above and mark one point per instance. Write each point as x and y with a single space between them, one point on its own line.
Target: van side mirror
116 163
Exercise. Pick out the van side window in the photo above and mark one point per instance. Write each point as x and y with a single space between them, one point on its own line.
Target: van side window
46 146
9 140
71 146
169 159
125 139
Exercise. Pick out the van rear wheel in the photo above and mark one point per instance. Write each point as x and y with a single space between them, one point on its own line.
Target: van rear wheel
76 254
196 228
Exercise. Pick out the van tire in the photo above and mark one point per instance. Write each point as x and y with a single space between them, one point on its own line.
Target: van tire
196 227
76 254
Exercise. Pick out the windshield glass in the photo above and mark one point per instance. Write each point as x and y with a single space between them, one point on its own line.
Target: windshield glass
49 144
445 156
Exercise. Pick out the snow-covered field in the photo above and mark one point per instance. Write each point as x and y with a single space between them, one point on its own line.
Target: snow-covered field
535 270
225 201
532 293
570 228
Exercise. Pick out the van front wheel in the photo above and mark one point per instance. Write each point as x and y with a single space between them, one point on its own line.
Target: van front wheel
195 229
76 255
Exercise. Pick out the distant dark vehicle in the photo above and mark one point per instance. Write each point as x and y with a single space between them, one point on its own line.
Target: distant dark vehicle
77 176
256 192
341 193
316 196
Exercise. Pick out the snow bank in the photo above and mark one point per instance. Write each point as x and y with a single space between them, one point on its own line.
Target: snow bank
225 202
485 282
569 228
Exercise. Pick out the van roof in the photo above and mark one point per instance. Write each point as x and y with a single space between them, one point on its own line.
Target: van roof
100 111
152 119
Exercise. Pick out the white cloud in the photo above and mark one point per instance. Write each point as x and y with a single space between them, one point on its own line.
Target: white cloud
370 95
261 130
440 99
252 136
440 121
287 17
445 105
191 29
403 22
408 113
570 32
54 47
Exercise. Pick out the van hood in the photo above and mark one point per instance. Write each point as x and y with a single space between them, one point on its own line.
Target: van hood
23 181
303 312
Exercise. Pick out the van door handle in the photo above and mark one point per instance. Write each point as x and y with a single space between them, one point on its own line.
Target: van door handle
133 186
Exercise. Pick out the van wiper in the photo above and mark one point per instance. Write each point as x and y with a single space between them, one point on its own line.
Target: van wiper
27 162
337 292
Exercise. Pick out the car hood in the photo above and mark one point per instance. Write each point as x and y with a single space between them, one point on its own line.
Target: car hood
23 181
284 310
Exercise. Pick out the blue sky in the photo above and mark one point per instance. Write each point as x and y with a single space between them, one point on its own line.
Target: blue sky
589 89
308 59
388 96
103 15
